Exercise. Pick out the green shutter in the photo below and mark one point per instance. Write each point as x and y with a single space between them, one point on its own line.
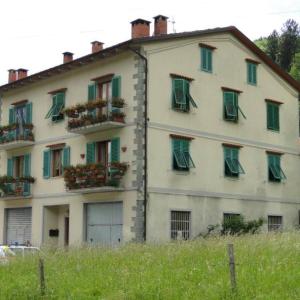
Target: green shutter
11 116
179 94
28 113
230 106
115 150
90 153
66 157
209 60
273 116
254 76
203 59
92 92
46 163
251 73
116 87
10 167
276 117
27 159
59 102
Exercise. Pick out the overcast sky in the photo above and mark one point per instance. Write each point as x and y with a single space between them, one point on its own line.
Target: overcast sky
34 33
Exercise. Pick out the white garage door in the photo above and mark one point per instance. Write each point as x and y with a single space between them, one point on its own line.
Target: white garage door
18 225
104 223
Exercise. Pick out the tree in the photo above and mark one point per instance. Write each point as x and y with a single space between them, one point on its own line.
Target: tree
272 46
295 69
288 44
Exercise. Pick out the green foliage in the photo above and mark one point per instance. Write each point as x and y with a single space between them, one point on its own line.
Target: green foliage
295 69
261 43
237 225
267 267
272 47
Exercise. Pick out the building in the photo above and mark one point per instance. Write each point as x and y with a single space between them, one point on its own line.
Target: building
157 137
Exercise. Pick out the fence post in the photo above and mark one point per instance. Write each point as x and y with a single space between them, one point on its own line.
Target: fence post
232 267
42 276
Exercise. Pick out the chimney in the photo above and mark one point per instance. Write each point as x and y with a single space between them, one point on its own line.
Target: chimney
140 28
68 56
12 75
22 73
96 46
160 25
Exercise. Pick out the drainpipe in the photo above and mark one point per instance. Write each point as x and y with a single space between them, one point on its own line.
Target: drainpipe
146 140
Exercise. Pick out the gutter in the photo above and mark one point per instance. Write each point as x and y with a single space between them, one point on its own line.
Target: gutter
146 119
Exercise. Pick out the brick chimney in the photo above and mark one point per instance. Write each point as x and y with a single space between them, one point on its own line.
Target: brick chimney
12 75
140 28
68 56
22 73
96 46
160 25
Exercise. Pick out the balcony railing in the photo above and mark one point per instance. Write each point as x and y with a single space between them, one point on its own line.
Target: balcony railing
16 136
96 115
15 187
93 176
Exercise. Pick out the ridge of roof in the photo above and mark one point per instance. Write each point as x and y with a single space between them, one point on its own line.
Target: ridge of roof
123 46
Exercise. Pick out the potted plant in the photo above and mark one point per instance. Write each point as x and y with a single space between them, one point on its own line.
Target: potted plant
118 102
117 116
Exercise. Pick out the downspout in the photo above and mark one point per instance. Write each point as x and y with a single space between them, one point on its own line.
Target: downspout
145 140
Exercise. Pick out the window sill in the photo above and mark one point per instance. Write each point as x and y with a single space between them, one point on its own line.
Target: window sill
232 178
273 130
206 71
252 84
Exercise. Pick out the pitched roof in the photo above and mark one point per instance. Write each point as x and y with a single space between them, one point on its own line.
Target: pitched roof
125 46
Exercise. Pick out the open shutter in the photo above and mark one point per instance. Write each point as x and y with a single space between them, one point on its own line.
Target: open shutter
115 150
11 116
116 87
10 167
46 163
59 101
27 160
90 153
66 157
230 108
187 94
92 91
28 113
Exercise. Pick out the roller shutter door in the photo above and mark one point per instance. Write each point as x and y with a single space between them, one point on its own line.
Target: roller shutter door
104 223
18 225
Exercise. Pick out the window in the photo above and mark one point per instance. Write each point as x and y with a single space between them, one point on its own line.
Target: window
103 152
181 97
17 167
105 88
54 161
251 73
232 166
180 225
275 172
274 223
206 59
182 159
272 116
231 107
58 104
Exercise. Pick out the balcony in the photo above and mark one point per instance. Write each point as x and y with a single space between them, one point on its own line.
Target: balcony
15 188
96 115
16 136
93 178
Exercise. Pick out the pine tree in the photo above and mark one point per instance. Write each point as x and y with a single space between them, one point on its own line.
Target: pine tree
272 47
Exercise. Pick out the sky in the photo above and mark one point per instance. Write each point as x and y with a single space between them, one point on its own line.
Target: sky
35 33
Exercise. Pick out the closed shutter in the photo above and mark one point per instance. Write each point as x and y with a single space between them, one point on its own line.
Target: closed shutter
11 116
254 68
66 157
203 59
276 116
115 150
18 225
116 87
186 94
28 113
90 153
249 73
10 167
27 162
104 223
209 60
270 120
46 163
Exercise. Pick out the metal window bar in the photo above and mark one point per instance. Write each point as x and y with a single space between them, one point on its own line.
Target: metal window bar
242 112
277 172
192 100
274 223
239 166
188 159
180 225
50 112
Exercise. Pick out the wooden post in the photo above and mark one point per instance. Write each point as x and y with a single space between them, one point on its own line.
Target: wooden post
42 276
232 267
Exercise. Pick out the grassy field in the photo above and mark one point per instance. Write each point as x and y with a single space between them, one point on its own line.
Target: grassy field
268 267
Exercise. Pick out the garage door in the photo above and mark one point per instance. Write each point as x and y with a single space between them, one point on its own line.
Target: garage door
18 225
104 223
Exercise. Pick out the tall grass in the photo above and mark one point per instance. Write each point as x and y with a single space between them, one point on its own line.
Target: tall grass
268 267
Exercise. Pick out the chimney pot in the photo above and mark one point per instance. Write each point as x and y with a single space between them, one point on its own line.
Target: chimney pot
160 25
68 56
96 46
12 75
22 73
140 28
